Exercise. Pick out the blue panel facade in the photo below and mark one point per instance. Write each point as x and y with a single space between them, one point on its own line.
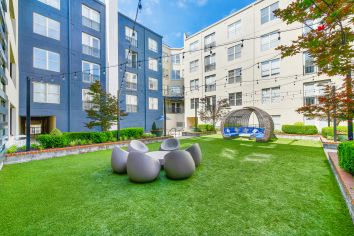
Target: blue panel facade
144 117
69 114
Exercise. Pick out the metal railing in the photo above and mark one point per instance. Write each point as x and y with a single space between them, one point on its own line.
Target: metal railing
132 40
90 23
91 51
210 67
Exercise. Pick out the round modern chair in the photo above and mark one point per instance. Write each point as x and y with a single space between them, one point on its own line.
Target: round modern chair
179 165
170 144
119 160
196 153
137 146
141 168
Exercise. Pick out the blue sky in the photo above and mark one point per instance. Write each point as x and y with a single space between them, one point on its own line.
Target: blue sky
172 18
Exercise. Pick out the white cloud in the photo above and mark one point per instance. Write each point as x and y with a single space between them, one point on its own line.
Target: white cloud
184 3
201 2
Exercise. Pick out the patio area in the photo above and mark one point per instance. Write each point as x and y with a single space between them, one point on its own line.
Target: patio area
242 187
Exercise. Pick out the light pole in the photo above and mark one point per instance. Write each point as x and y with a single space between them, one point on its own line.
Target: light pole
334 116
118 115
195 115
28 113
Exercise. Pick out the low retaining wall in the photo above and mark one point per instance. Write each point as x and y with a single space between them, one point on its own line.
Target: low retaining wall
197 134
298 136
328 144
21 157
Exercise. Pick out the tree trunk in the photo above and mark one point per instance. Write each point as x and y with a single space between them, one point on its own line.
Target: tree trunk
349 88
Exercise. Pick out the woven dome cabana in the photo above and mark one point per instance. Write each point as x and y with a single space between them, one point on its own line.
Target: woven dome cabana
237 124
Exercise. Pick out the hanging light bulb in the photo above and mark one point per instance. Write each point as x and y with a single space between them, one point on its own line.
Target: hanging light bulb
242 43
63 77
279 36
75 75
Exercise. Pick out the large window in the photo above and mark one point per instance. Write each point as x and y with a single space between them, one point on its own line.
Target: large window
90 18
153 103
91 45
235 99
234 52
46 93
131 103
45 26
269 41
176 75
87 100
175 90
132 58
194 84
131 81
209 62
132 36
153 84
176 59
153 64
46 60
267 13
234 29
152 45
91 72
235 76
270 68
194 103
209 42
309 64
210 83
193 66
52 3
314 90
271 95
194 46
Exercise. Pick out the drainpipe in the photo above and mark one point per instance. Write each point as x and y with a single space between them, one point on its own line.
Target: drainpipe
69 63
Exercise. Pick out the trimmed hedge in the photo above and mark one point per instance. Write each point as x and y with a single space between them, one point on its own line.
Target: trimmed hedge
346 156
206 127
51 141
328 131
135 133
299 129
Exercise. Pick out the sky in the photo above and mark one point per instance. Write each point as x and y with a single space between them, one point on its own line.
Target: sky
173 18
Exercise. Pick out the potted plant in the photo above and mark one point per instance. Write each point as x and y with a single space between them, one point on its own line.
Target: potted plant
155 130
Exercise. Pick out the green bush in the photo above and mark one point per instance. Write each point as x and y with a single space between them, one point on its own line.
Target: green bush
206 127
328 131
148 135
299 123
346 156
11 149
35 146
299 129
51 141
56 132
135 133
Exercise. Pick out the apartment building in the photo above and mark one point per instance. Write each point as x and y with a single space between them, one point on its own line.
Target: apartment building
173 88
140 78
235 58
8 73
62 46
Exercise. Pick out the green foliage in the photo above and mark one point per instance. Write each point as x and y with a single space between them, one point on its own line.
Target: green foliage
11 149
346 156
56 132
135 133
154 126
299 129
299 123
328 131
148 135
35 146
206 127
51 141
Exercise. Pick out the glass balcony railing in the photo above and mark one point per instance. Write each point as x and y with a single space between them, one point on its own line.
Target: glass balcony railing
90 23
210 87
91 51
131 108
132 40
90 78
210 67
131 86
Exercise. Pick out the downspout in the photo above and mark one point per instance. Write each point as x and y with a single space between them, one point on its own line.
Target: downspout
145 90
69 62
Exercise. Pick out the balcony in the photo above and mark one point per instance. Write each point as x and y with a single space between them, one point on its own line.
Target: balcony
90 23
175 110
132 40
91 51
90 78
210 87
209 46
131 108
86 105
131 86
210 67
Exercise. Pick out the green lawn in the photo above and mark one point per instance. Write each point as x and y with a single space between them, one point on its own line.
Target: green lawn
280 188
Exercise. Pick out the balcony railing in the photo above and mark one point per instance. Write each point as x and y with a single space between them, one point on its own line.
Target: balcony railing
91 51
210 87
210 67
90 78
235 79
90 23
131 108
132 40
209 46
87 105
176 110
131 86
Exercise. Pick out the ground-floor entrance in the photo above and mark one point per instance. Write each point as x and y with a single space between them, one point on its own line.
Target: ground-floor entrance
39 125
191 122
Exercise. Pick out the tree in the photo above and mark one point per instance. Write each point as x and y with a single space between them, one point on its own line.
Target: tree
212 112
103 108
329 44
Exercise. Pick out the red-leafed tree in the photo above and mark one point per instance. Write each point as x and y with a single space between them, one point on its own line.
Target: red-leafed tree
330 44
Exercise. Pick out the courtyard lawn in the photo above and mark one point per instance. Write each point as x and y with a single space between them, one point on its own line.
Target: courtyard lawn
285 187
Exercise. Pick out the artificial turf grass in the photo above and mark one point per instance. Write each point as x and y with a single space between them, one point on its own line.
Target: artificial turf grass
284 187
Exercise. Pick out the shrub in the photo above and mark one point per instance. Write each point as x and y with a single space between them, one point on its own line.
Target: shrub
299 123
35 146
135 133
51 141
346 156
206 127
328 131
148 135
11 149
56 132
154 127
299 129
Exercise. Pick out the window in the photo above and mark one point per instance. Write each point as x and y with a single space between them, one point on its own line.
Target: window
176 107
90 18
309 64
153 64
91 72
234 52
131 103
131 81
87 100
235 76
271 95
209 62
271 67
194 103
91 45
46 93
193 66
46 60
235 99
45 26
153 84
176 75
152 45
132 58
267 13
153 103
312 92
210 83
209 42
234 29
194 46
210 102
132 36
52 3
176 59
269 41
194 84
175 90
